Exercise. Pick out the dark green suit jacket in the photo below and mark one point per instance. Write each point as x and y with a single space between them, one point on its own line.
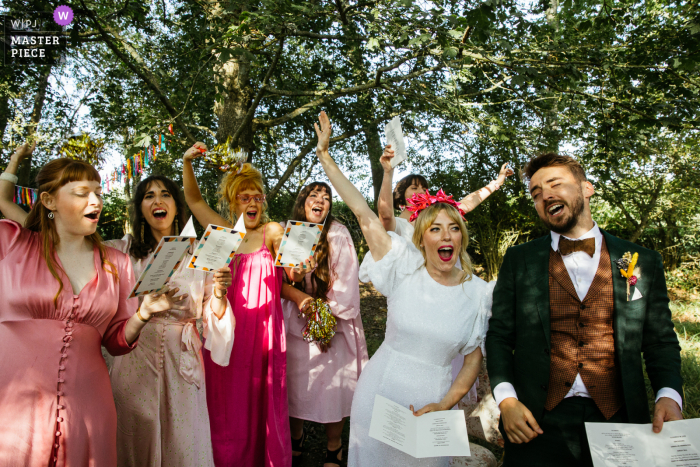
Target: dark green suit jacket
518 339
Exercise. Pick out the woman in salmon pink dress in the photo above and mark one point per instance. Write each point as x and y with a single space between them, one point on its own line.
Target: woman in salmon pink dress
247 400
64 293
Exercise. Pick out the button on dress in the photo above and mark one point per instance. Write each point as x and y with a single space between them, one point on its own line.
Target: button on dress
56 403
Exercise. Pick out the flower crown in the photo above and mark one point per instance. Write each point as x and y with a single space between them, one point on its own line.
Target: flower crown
419 202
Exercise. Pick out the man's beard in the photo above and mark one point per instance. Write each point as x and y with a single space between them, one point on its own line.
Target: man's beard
576 210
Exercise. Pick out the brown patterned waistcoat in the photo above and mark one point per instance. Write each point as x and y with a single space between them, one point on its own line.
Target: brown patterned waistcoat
582 339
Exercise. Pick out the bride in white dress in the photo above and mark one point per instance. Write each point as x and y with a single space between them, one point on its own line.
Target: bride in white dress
435 312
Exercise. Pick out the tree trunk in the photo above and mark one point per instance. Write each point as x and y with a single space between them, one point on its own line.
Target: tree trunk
234 84
24 172
374 150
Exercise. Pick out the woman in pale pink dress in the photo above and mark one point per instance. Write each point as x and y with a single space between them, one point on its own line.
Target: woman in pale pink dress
159 388
247 399
64 293
321 379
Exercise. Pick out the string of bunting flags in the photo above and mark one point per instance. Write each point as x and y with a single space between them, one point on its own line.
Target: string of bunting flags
133 165
25 196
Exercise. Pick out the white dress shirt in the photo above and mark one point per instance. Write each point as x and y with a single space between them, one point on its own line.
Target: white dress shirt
582 269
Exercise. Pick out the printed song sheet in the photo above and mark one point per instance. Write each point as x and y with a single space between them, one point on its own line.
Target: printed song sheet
630 445
217 246
299 241
165 260
394 136
435 434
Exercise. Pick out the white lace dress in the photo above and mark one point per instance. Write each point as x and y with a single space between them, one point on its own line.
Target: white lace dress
428 324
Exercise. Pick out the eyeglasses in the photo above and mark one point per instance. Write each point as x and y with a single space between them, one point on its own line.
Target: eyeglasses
245 199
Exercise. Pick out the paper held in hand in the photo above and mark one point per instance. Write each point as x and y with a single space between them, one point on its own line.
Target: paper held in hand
166 258
627 444
299 241
434 434
217 246
394 136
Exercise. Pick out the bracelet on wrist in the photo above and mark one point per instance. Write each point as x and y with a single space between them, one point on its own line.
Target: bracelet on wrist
138 315
9 178
222 295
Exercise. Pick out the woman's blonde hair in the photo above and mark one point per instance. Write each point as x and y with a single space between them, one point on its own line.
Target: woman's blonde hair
50 178
235 181
425 220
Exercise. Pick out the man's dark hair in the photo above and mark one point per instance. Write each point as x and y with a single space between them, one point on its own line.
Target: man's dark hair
552 159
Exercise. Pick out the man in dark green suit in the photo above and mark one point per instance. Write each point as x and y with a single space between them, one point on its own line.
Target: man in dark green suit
573 312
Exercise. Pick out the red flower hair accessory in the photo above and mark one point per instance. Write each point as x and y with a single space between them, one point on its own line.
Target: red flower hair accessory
419 202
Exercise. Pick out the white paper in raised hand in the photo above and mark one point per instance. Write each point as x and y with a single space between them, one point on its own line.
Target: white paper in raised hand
394 136
434 434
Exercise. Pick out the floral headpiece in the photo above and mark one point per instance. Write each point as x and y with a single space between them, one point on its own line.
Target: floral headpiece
419 202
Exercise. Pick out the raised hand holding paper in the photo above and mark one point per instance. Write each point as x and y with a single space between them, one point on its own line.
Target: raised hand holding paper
434 434
626 444
218 246
165 260
394 136
299 241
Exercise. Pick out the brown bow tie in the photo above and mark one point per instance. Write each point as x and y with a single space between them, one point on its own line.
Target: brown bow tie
566 246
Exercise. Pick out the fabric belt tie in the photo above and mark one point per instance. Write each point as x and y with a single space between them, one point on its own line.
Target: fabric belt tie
566 246
191 366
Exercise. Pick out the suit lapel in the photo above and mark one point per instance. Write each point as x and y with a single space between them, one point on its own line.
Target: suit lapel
558 271
537 264
615 249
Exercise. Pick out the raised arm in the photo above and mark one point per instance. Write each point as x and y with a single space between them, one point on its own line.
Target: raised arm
7 188
378 240
472 200
385 203
204 214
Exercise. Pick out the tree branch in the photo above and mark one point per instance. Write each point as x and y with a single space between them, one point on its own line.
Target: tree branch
251 111
141 71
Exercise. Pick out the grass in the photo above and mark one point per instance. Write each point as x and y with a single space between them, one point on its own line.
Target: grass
686 318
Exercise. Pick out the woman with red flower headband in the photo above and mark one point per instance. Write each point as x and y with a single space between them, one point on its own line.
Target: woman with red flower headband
417 184
435 312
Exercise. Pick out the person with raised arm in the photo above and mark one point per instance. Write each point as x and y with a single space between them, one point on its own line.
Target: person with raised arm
389 200
64 293
435 311
322 378
247 400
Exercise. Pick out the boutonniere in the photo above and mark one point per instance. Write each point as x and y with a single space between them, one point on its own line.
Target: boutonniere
626 265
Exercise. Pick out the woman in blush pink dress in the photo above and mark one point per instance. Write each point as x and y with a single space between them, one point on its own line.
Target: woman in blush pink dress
159 388
321 379
247 399
64 293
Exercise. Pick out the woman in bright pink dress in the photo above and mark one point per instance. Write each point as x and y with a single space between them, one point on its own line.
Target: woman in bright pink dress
247 400
64 293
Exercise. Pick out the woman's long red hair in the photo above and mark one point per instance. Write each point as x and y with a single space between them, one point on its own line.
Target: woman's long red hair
50 178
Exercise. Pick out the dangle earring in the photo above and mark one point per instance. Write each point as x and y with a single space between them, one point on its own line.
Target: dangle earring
177 227
142 232
50 215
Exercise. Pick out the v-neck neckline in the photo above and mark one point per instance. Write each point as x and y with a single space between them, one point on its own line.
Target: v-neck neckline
95 263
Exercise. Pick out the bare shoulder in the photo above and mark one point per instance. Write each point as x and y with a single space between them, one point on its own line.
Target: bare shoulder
273 228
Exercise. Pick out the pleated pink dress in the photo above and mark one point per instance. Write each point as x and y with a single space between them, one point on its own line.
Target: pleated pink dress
56 406
247 400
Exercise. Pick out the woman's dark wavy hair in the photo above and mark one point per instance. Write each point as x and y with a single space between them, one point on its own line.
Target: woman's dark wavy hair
142 247
403 184
322 277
